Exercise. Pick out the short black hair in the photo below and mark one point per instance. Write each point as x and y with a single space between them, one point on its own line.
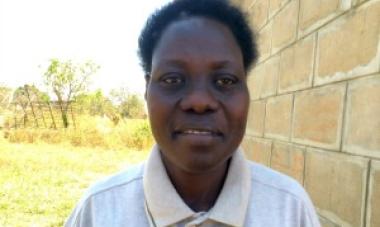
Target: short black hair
219 10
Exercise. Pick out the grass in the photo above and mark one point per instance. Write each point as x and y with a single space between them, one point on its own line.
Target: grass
40 183
91 131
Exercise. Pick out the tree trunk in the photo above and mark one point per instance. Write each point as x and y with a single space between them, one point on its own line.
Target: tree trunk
63 114
63 109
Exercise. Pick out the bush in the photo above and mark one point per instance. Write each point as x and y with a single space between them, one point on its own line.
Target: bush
91 131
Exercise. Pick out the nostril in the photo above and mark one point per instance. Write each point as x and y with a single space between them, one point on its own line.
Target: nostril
199 102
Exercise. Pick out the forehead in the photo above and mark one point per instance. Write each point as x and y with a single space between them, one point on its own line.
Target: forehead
197 39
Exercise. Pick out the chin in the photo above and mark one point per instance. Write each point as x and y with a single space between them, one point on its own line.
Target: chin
203 164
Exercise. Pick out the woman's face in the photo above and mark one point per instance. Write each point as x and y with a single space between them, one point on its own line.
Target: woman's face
197 95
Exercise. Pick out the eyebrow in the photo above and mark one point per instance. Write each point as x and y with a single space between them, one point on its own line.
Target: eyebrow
181 63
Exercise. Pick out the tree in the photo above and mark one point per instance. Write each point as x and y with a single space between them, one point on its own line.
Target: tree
68 80
129 105
5 97
25 96
96 103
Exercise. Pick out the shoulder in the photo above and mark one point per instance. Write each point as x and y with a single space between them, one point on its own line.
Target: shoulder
278 199
124 178
107 200
274 180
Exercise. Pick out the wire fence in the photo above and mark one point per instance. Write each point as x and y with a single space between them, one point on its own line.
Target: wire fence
39 115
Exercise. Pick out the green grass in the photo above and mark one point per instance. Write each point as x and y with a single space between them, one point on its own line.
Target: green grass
41 183
91 131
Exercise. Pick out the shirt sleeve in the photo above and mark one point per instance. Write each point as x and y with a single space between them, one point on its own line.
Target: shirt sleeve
81 216
309 215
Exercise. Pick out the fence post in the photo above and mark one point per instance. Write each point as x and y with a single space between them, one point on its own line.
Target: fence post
72 114
42 113
52 116
31 105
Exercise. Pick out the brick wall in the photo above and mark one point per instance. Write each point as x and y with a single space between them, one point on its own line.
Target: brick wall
315 101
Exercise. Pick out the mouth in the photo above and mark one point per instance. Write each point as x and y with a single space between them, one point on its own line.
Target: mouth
198 132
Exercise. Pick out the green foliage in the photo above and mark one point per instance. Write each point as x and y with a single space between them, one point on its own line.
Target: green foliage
95 104
129 105
29 93
133 107
67 80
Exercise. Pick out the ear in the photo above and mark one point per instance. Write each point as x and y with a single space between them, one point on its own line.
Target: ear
147 81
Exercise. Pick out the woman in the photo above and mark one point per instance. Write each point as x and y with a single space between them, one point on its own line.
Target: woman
196 54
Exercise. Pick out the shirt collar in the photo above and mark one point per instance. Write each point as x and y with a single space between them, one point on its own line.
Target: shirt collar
166 207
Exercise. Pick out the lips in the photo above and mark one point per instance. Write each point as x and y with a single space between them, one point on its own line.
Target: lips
198 131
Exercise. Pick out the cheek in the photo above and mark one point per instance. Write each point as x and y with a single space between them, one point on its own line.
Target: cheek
239 108
156 114
160 109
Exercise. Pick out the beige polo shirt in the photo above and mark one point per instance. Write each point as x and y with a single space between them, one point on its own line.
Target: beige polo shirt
252 195
166 206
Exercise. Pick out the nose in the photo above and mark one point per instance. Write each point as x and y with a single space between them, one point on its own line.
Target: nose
199 99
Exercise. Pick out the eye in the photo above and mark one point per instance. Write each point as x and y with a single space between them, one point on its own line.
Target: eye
171 79
226 80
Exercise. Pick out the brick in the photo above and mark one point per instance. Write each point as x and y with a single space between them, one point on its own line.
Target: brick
314 13
357 2
258 150
265 42
270 77
246 4
296 66
259 13
285 26
362 121
337 185
289 159
255 122
373 211
255 81
275 6
278 117
350 46
262 81
327 223
318 116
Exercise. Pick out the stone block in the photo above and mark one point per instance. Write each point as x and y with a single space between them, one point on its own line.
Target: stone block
258 13
326 222
256 115
263 79
284 29
337 185
373 209
265 41
296 66
255 81
257 150
270 76
278 117
247 4
350 46
362 121
289 159
275 6
357 2
315 13
318 116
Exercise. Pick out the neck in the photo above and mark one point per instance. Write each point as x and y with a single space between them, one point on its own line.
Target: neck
198 190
